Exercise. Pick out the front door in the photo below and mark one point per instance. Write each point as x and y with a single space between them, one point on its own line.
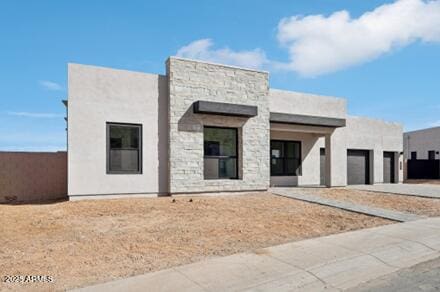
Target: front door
388 167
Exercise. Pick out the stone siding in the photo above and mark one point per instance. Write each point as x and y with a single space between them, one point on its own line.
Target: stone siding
190 81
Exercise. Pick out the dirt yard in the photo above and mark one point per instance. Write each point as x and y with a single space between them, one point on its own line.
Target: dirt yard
423 181
415 205
86 242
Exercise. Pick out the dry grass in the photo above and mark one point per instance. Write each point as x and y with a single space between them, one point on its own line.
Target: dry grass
82 243
415 205
423 181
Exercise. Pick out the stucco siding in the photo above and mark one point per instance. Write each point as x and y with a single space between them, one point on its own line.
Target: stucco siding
289 102
376 136
98 95
422 141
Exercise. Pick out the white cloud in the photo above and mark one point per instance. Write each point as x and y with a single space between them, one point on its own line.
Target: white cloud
50 85
319 44
35 115
435 124
202 50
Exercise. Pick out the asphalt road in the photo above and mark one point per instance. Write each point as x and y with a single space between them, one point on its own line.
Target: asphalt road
422 277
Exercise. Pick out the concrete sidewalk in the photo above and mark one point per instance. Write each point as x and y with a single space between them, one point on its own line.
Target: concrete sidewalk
424 191
348 206
330 263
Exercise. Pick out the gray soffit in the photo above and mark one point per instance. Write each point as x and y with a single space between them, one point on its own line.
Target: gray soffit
224 109
306 120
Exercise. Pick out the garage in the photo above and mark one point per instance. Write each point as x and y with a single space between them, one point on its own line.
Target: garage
388 167
358 167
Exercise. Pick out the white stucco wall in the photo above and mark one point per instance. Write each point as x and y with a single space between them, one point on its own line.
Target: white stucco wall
376 136
422 141
289 102
98 95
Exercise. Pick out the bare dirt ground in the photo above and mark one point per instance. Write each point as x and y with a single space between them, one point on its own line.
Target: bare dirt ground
423 181
87 242
415 205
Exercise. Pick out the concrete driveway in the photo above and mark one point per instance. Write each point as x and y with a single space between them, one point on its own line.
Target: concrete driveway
428 191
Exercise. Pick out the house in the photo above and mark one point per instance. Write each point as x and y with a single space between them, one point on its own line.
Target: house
207 127
422 153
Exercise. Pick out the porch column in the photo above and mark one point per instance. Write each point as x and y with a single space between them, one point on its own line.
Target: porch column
335 160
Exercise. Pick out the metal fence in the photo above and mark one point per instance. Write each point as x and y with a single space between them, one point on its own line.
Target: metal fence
423 169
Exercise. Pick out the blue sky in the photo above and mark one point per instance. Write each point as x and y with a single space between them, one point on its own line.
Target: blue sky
384 59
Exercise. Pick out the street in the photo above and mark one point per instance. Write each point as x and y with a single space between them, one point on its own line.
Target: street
421 277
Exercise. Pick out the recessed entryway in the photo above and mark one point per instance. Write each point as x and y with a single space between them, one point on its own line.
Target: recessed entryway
388 167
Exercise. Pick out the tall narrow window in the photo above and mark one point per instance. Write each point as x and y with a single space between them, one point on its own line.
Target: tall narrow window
285 158
414 155
431 155
220 153
124 148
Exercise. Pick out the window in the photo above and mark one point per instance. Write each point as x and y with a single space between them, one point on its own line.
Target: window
220 153
414 155
431 155
285 158
124 148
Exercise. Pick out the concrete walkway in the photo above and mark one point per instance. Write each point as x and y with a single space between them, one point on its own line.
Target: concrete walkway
426 191
373 211
332 263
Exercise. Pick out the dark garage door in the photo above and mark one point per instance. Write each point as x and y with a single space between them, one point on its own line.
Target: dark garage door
388 167
358 169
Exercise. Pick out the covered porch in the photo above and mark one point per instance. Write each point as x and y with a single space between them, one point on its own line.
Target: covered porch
307 151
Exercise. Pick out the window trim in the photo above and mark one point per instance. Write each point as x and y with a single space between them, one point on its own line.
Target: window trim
140 168
413 157
236 157
284 164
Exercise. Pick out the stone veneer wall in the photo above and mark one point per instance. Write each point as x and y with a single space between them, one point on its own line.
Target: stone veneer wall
190 81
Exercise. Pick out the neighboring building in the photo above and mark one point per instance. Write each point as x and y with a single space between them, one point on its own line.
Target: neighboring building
207 127
422 153
422 144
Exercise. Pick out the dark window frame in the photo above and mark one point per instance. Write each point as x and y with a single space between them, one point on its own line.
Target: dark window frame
413 155
223 156
431 152
130 125
285 172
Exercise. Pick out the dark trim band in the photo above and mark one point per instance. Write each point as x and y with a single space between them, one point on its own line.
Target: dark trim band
305 120
224 109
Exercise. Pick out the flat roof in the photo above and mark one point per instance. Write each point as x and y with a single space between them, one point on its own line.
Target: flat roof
306 120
